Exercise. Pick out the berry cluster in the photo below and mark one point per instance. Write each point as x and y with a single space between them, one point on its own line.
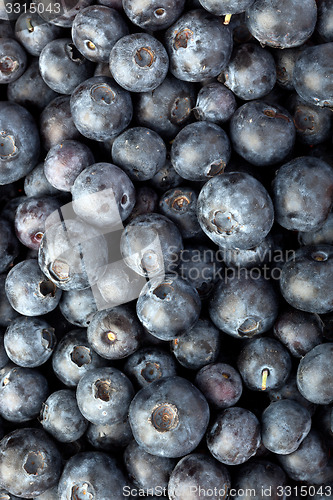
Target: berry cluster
166 249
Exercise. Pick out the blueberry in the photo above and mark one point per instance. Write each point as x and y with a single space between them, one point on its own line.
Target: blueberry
65 161
156 15
297 204
235 210
325 16
234 436
28 290
255 257
323 236
226 7
261 133
95 30
313 73
151 244
168 308
169 417
250 73
110 437
22 392
91 475
9 246
73 357
19 145
61 417
100 108
72 254
140 152
314 375
221 384
215 103
299 331
30 219
114 333
3 361
264 364
193 56
285 61
282 23
198 472
103 395
29 342
56 123
305 279
179 204
64 15
167 108
146 202
30 90
313 124
200 151
290 391
36 459
285 424
36 184
147 471
198 346
309 458
13 60
103 195
149 364
262 477
62 66
33 33
139 62
78 306
7 313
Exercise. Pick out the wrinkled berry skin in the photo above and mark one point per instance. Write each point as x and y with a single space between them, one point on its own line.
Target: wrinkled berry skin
169 417
234 436
299 331
61 417
156 15
264 354
306 282
139 62
74 357
200 151
266 20
299 204
198 470
314 375
151 244
35 459
13 60
94 473
22 393
313 75
100 108
199 46
250 73
235 210
168 308
19 150
285 424
28 290
95 30
149 364
215 103
62 67
244 305
29 342
103 395
167 108
261 133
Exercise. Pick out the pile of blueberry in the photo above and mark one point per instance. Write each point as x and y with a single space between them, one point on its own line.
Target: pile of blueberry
166 249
